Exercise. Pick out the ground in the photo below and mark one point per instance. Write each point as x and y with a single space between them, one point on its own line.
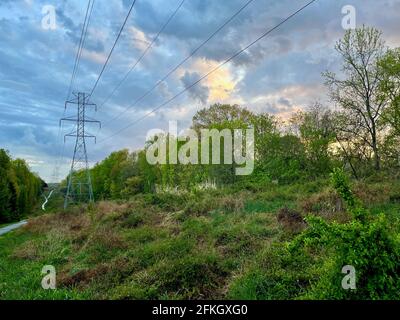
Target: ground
217 244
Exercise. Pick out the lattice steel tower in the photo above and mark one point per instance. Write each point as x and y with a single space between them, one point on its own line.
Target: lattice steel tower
79 188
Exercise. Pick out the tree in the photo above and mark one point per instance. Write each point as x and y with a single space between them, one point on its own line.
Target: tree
220 113
389 66
358 94
220 117
109 175
390 90
19 188
317 133
265 126
5 192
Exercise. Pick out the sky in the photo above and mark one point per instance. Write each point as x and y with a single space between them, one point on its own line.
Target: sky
280 74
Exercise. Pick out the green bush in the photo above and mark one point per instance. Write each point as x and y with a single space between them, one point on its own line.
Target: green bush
310 265
368 244
370 248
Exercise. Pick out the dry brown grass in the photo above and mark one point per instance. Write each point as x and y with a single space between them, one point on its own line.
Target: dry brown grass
106 208
370 194
326 204
77 220
63 222
82 277
291 220
232 203
121 267
28 251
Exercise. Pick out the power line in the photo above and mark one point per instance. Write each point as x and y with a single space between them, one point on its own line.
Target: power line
213 70
144 53
112 49
80 46
84 39
182 62
78 51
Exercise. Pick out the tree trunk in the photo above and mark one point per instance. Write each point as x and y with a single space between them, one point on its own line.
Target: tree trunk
377 159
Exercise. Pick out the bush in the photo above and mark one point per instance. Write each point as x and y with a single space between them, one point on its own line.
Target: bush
367 244
370 248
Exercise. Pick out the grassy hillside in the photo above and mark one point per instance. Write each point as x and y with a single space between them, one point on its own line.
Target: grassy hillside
202 245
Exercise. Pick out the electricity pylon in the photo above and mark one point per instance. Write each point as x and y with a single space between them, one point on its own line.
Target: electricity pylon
79 188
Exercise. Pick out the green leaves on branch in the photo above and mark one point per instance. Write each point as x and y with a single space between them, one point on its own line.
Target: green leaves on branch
19 188
372 248
341 183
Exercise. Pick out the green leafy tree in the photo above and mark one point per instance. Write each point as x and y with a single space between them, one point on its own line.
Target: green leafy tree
19 188
390 90
317 134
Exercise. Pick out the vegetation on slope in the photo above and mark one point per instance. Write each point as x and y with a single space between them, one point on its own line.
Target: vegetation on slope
209 245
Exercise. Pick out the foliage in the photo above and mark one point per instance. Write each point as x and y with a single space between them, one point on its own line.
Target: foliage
279 156
310 265
19 188
367 243
372 250
317 133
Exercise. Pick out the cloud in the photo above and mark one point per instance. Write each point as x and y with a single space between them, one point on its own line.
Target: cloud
199 92
280 74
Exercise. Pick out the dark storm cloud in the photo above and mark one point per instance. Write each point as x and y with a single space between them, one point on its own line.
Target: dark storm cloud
199 92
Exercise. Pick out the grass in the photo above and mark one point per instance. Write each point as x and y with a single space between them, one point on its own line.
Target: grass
20 278
212 245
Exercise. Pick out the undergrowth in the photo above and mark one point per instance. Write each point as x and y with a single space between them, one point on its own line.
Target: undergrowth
279 242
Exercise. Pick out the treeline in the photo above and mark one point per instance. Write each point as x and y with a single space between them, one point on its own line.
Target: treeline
279 155
359 132
19 188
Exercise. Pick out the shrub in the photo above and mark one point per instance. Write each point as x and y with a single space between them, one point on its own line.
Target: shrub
370 248
342 186
367 243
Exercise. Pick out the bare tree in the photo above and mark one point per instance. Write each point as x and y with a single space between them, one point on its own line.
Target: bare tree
358 93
